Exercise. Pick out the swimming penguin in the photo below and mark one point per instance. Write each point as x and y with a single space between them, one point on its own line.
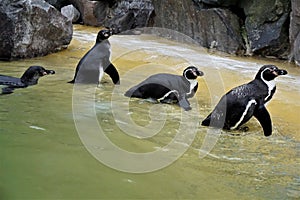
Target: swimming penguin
168 88
96 61
241 103
30 77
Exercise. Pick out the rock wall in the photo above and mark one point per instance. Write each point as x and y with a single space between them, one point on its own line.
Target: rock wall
212 28
126 14
31 28
268 28
257 27
295 32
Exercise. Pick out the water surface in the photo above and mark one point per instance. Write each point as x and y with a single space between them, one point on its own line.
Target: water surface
42 156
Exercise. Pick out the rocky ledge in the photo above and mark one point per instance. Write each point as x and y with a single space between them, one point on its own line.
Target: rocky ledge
268 28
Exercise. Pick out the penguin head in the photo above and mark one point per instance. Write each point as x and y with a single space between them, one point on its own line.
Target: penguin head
192 72
33 73
269 72
106 33
103 35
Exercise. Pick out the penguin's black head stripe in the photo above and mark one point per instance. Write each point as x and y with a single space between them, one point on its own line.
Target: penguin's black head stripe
33 73
192 72
269 72
103 35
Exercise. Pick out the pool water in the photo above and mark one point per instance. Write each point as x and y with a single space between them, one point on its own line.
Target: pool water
49 147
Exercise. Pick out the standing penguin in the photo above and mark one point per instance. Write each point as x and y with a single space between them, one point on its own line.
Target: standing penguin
96 61
241 103
168 88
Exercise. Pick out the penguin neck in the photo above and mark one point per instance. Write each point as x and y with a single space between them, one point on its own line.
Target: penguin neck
193 83
271 85
29 80
101 41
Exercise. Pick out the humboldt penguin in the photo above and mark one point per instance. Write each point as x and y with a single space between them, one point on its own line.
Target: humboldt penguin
238 105
96 61
168 88
30 77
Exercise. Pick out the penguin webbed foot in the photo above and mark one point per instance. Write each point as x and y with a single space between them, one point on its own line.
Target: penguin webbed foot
184 103
243 129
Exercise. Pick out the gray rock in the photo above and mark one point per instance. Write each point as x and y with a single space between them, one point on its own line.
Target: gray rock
212 28
71 13
31 28
58 4
267 26
87 10
295 32
218 2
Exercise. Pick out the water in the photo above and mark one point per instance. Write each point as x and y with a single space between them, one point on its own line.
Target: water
42 156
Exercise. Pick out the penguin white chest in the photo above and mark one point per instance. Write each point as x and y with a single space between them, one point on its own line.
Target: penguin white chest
271 85
193 84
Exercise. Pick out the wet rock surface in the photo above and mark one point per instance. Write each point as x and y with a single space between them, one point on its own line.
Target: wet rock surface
31 28
267 28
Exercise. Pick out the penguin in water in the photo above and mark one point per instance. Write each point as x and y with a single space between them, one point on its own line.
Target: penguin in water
30 77
96 61
168 88
238 105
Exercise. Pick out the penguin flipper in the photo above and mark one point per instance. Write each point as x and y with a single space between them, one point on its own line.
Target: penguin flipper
113 73
263 116
184 103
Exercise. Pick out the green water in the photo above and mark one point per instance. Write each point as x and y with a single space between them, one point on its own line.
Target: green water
42 155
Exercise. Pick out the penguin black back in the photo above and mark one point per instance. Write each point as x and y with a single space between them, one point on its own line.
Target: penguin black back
168 88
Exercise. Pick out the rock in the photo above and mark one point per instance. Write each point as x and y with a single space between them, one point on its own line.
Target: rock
87 10
295 32
212 28
71 13
129 14
125 14
267 27
218 2
58 4
31 28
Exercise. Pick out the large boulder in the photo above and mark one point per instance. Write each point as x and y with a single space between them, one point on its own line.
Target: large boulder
71 13
212 28
295 32
267 26
31 28
125 14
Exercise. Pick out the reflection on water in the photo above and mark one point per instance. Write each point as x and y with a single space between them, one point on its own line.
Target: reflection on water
42 156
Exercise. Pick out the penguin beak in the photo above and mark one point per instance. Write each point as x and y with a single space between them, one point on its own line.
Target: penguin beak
198 72
279 72
46 72
114 30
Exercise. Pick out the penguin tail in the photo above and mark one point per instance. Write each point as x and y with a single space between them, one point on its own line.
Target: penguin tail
133 92
128 93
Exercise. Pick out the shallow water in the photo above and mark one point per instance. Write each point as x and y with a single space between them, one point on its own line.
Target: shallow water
48 145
